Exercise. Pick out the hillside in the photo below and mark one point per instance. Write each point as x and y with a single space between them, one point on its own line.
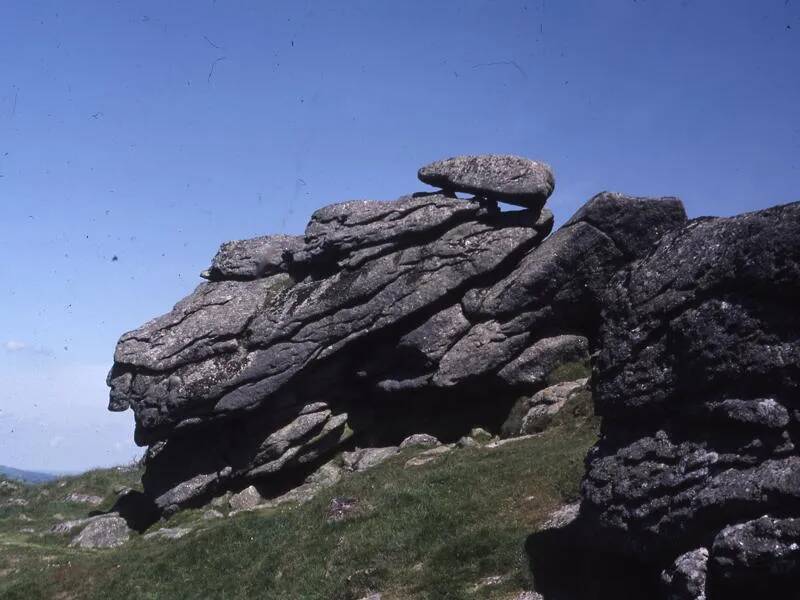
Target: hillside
26 476
455 527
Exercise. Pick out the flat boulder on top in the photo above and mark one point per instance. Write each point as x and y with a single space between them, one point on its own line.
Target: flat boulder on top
500 177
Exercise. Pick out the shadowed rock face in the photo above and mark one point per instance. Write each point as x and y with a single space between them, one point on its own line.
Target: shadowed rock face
426 314
698 381
748 554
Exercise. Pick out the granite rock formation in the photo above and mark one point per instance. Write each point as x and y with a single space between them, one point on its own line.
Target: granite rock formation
428 314
698 382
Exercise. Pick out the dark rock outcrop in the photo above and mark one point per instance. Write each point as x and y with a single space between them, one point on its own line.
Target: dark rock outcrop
754 554
698 383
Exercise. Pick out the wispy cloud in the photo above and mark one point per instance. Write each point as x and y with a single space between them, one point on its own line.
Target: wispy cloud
15 345
20 346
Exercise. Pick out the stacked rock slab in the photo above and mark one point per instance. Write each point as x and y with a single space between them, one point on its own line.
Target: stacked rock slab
427 314
698 384
498 177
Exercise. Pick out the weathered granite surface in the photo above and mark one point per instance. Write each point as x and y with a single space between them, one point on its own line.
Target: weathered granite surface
499 177
698 383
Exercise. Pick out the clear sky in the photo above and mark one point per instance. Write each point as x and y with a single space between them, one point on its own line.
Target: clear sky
135 137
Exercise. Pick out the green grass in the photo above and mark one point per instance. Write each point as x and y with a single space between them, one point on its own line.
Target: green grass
570 372
428 532
48 499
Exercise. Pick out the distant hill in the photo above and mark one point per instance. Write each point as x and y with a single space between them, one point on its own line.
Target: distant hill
26 476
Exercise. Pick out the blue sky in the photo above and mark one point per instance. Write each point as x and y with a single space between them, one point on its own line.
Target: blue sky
152 131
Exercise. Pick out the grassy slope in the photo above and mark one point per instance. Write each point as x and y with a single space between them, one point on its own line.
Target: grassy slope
433 531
